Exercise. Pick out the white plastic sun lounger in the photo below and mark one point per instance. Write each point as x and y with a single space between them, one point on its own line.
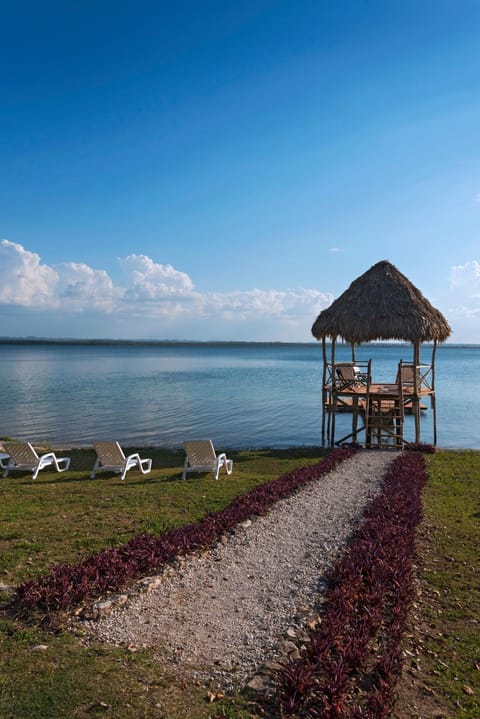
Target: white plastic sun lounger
23 457
110 458
201 457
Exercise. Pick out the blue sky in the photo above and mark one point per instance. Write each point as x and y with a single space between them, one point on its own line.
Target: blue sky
224 170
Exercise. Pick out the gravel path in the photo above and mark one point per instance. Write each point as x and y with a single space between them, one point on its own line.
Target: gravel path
223 614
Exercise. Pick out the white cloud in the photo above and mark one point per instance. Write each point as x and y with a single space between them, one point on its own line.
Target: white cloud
150 281
465 312
266 303
334 249
24 280
466 277
150 292
80 286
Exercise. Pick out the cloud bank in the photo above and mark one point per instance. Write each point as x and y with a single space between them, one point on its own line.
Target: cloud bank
150 300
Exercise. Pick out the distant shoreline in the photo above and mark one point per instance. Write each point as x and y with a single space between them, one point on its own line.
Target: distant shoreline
69 341
143 343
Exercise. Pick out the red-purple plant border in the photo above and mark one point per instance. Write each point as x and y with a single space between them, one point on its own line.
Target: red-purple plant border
66 586
369 597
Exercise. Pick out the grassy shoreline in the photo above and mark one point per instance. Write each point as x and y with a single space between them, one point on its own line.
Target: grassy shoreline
62 517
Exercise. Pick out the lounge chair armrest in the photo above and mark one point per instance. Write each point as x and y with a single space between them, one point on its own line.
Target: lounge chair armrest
63 460
135 457
134 460
47 455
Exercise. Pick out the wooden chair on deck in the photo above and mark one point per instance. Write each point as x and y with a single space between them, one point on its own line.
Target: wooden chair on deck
407 374
348 375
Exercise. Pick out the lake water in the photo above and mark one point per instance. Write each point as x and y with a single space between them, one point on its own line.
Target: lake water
239 395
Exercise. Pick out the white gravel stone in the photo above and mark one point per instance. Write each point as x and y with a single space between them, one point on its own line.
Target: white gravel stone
222 615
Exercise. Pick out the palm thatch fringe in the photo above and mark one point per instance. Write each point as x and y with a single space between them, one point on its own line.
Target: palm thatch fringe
382 304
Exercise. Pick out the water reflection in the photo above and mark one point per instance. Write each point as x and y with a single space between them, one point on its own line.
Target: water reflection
240 395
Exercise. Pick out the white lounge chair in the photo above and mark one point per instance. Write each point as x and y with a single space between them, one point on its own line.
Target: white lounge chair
201 457
22 456
110 458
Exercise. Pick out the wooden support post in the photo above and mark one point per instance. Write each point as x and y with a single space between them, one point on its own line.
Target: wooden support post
354 404
324 391
416 400
333 410
354 418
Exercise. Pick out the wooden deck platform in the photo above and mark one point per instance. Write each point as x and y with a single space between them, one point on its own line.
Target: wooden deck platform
345 404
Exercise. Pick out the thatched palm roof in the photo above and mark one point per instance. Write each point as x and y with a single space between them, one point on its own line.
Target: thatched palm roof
382 304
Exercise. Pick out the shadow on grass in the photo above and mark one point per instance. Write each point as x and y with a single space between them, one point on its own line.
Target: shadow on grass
83 459
295 453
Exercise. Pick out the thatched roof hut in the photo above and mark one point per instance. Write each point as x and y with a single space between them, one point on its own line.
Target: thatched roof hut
382 304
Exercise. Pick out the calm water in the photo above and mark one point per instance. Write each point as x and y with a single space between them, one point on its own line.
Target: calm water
245 395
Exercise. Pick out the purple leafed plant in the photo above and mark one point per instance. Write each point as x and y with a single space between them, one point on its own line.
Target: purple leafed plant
68 585
354 656
421 447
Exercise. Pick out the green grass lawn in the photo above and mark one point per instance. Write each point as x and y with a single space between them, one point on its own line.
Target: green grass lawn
450 576
441 676
63 517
